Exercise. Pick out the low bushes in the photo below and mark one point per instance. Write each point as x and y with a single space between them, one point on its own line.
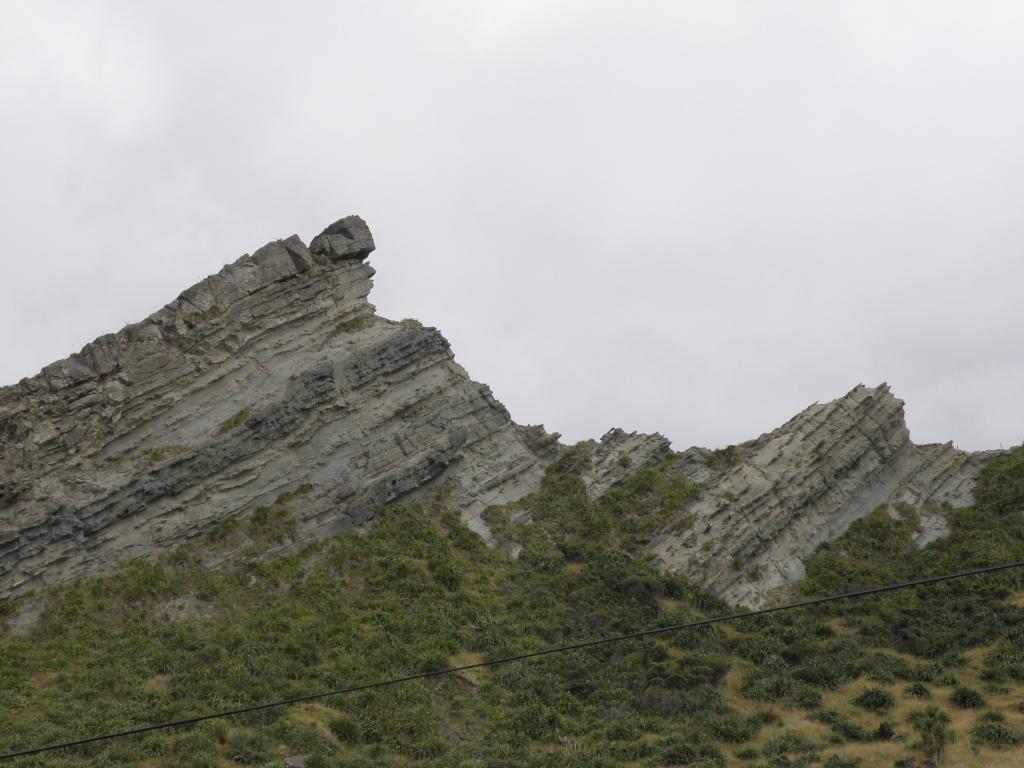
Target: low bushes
875 699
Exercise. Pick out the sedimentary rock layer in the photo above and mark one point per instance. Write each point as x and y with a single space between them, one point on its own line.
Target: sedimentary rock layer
769 502
272 375
276 375
619 455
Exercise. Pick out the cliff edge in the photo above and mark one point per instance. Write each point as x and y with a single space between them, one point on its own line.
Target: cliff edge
276 379
274 376
769 502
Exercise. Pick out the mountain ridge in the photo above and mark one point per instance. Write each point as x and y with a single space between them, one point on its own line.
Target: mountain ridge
277 377
273 375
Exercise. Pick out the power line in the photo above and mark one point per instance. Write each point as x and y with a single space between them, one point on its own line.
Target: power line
518 657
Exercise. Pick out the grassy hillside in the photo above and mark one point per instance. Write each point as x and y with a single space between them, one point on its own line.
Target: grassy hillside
893 680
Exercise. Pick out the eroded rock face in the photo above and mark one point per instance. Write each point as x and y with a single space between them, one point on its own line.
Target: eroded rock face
619 455
277 375
271 375
768 503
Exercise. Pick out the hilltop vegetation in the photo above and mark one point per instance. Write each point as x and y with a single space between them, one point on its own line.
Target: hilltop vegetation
903 678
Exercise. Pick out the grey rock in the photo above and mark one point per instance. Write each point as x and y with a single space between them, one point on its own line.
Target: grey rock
620 455
274 373
542 443
277 374
347 238
770 502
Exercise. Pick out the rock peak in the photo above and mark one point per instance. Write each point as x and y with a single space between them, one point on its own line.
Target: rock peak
769 502
275 383
274 374
347 238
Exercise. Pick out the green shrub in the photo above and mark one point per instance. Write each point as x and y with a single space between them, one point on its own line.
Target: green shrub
966 698
535 720
223 530
764 686
689 751
805 698
786 743
884 731
834 761
991 734
1000 486
918 691
875 699
301 736
448 572
1006 661
251 748
840 725
273 523
885 668
346 730
195 744
622 730
733 728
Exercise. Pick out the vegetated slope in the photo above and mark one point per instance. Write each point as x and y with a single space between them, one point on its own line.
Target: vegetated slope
908 676
268 409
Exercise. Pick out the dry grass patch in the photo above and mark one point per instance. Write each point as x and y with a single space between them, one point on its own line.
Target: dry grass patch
158 684
475 677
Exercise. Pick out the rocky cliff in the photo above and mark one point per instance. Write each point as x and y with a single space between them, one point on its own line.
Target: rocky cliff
276 378
769 502
273 376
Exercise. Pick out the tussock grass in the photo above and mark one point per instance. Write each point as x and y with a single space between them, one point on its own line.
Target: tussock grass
421 592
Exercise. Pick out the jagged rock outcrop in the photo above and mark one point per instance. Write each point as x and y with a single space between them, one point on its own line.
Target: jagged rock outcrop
272 375
769 502
619 455
276 375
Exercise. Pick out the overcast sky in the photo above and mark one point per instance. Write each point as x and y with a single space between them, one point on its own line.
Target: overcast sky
694 218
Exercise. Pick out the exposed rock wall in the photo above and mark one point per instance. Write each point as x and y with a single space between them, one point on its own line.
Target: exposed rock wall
276 374
273 374
619 455
768 503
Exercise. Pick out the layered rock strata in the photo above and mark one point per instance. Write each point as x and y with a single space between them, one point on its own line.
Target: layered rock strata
619 455
768 503
277 377
273 375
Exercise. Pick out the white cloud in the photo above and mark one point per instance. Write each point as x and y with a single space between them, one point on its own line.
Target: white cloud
83 58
